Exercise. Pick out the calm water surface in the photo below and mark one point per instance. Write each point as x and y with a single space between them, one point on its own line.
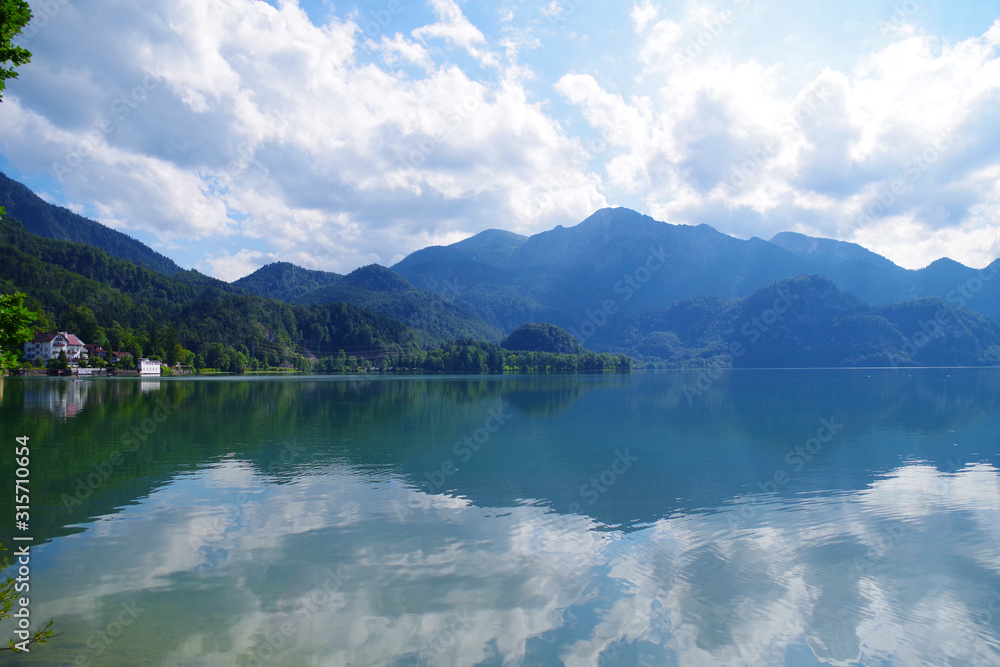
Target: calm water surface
774 518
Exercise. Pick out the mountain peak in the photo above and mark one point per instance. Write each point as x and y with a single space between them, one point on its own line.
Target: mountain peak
377 278
284 271
617 215
491 239
602 226
945 263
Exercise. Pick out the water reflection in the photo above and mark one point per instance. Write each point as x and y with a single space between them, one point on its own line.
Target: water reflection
146 386
293 522
323 571
63 399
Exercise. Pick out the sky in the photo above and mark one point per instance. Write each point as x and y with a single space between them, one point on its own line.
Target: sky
229 134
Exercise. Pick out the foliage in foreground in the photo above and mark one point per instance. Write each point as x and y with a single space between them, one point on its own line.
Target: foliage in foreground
14 15
15 328
8 595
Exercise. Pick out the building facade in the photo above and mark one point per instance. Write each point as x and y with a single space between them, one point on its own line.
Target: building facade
48 345
95 351
148 367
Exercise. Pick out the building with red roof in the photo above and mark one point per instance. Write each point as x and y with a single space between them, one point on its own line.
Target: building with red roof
48 345
95 350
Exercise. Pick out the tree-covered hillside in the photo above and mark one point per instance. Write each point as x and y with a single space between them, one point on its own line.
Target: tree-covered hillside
115 303
376 288
542 337
805 322
55 222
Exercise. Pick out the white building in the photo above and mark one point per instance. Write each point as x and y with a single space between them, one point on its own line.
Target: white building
48 345
147 367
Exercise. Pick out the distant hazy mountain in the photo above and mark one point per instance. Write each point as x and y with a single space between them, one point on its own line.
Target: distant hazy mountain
55 222
805 321
877 280
373 287
633 262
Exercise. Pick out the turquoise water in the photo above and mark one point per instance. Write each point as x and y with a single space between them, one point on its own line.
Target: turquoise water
760 518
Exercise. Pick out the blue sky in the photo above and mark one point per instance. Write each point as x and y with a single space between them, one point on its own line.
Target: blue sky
229 134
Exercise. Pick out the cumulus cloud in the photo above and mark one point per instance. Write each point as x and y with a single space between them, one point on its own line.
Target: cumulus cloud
233 267
888 153
401 48
643 14
257 123
455 28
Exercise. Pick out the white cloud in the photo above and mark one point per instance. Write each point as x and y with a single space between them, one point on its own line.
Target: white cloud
736 145
643 14
338 143
400 47
233 267
455 28
258 123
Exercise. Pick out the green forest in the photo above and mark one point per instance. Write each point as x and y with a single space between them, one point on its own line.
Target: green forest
191 319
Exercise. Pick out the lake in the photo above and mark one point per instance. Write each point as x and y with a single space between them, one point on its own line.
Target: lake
808 517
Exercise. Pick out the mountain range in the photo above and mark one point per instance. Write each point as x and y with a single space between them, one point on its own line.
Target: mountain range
623 282
560 275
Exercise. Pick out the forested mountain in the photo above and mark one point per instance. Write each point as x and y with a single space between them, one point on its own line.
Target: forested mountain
285 281
561 275
376 288
55 222
114 302
805 322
